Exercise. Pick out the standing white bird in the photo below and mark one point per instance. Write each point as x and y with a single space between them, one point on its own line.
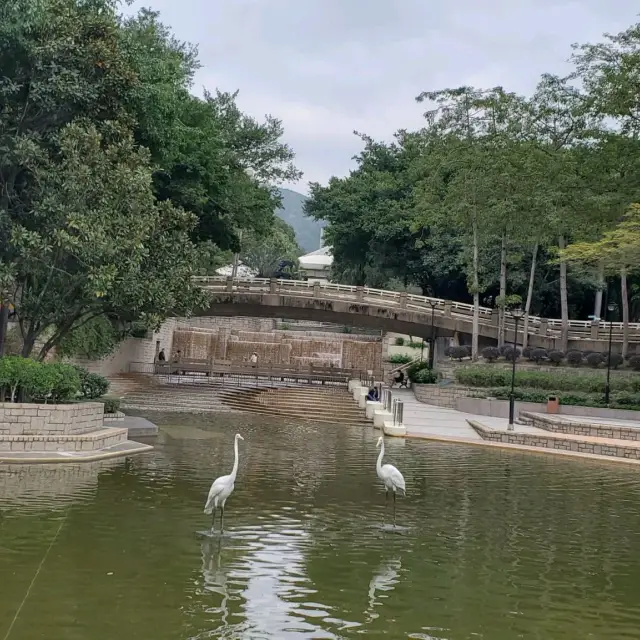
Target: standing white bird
221 489
391 477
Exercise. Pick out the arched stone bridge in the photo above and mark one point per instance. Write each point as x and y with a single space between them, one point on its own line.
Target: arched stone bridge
392 311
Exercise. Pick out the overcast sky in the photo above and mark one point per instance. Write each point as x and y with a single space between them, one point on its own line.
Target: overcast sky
329 67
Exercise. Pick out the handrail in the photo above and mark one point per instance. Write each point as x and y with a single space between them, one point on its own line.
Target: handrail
392 298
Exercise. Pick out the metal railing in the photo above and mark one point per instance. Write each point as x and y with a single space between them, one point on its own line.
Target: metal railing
395 299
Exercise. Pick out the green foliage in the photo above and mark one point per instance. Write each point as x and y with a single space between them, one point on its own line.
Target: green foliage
481 376
38 381
92 385
94 340
425 376
415 344
263 253
620 400
400 358
399 341
415 368
111 405
117 184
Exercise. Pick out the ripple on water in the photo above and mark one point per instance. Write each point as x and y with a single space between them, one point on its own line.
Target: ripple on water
497 544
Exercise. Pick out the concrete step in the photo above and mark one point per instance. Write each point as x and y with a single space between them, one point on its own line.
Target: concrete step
609 447
91 441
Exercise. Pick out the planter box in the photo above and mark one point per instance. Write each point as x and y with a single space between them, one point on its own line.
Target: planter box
50 419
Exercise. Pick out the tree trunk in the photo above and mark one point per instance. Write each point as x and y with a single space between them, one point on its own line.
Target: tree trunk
28 343
4 326
624 298
597 308
527 306
476 295
502 311
564 304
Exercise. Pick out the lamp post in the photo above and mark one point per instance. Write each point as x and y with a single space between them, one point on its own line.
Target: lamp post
516 314
611 307
432 347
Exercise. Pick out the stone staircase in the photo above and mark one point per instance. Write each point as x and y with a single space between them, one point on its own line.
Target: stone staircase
334 406
185 395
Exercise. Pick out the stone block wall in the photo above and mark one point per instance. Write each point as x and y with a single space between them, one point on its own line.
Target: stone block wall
18 419
440 396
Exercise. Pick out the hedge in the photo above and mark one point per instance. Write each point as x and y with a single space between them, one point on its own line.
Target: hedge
618 400
480 376
400 358
28 380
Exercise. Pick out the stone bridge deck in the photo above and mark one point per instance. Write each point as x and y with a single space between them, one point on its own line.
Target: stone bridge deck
392 311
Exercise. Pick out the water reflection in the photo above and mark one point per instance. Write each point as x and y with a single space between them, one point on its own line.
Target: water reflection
384 580
498 546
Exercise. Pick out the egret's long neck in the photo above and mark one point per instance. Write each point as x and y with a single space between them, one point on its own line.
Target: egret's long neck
379 463
234 471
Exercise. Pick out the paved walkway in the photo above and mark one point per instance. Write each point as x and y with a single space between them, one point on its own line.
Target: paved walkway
422 420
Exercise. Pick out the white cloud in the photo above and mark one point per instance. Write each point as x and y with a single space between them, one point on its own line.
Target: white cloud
327 67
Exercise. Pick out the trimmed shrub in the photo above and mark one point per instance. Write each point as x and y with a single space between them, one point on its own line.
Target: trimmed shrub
538 355
52 382
556 357
509 354
526 353
111 405
627 401
413 369
614 360
634 363
457 353
38 381
491 354
92 385
595 359
503 349
425 376
574 358
415 344
467 350
399 342
396 358
560 381
447 351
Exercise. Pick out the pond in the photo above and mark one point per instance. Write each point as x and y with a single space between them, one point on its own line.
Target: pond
499 545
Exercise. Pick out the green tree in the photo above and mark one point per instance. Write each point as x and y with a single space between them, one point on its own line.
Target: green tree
263 253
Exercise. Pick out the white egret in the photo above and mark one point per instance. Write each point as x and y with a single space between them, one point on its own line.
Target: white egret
221 489
391 477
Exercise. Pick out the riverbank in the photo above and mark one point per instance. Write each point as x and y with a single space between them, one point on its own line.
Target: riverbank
430 422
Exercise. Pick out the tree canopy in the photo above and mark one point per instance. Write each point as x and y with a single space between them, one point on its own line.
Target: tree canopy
482 202
116 183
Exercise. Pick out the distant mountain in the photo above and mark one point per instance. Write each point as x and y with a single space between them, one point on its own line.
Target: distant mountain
307 229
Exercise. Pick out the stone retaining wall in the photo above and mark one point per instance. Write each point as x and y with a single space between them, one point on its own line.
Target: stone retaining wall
50 419
569 443
440 395
574 427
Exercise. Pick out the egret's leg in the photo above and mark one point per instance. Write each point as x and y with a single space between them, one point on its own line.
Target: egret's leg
394 508
386 505
213 521
221 518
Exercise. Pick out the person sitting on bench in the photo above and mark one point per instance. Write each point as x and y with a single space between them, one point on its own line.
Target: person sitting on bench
400 380
373 395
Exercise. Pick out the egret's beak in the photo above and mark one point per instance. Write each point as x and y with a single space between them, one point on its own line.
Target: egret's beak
378 443
240 437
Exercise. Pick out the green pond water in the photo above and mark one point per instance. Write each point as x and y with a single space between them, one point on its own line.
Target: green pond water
499 545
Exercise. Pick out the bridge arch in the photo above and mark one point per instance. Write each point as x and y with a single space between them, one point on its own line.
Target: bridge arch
389 311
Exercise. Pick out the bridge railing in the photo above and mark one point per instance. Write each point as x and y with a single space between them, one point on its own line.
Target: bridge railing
302 288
